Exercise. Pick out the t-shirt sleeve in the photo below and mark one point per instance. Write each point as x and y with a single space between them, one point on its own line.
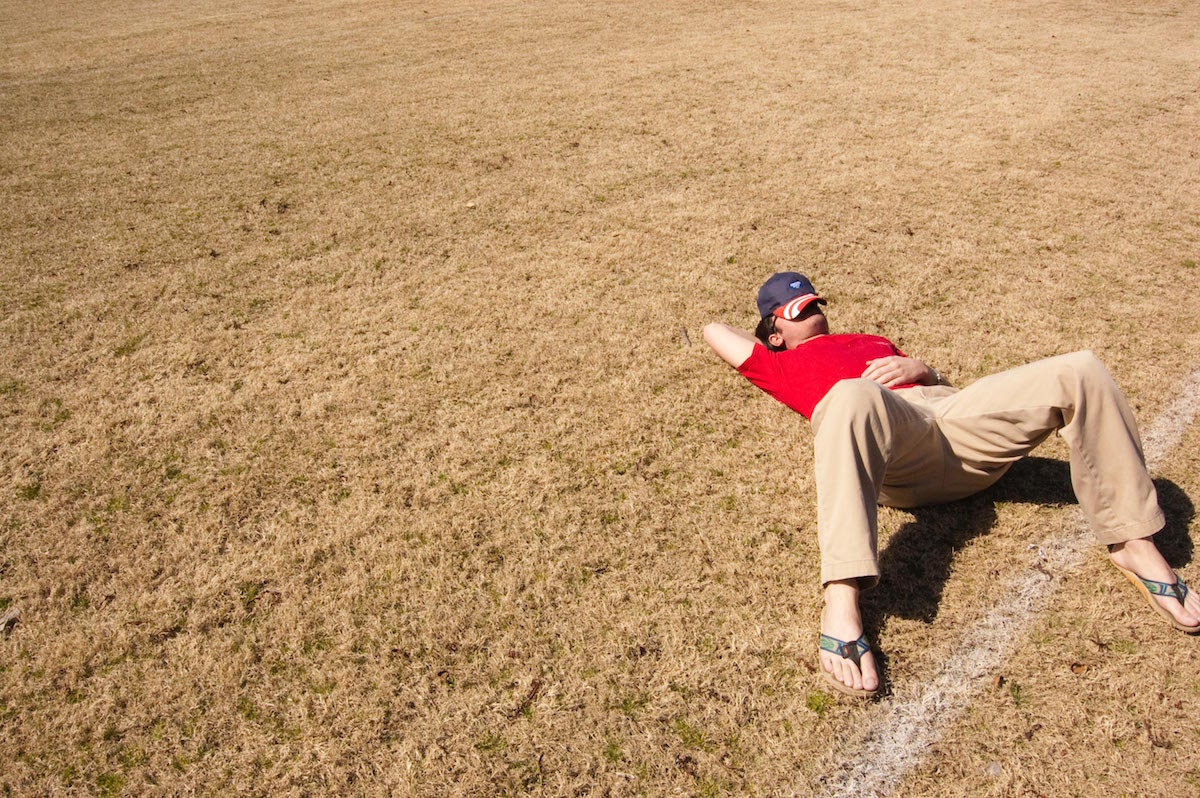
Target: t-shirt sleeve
762 369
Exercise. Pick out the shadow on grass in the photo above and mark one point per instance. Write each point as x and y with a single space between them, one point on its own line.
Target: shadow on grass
915 563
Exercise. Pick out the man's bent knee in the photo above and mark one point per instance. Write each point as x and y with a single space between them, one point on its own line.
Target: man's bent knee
1086 364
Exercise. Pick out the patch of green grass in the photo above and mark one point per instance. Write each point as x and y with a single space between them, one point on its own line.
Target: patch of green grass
631 704
1188 263
531 773
99 524
491 741
493 593
1041 639
819 702
733 745
58 414
250 592
131 756
612 752
31 491
247 708
711 788
129 345
316 644
691 736
10 388
1018 697
110 783
1123 646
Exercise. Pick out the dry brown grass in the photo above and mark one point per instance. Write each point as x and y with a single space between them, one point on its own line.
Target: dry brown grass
358 437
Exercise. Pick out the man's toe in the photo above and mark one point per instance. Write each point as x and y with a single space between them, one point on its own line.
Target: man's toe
870 679
844 672
1187 613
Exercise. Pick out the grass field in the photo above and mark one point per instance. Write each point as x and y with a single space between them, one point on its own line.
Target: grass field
358 437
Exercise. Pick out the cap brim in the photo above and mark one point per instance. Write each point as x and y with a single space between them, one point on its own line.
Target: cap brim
795 306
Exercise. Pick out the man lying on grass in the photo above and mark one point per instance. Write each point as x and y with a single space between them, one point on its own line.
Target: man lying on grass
887 429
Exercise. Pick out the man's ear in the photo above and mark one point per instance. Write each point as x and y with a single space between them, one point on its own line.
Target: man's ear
775 339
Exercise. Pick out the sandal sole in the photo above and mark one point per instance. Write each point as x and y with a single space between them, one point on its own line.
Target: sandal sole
1161 610
844 690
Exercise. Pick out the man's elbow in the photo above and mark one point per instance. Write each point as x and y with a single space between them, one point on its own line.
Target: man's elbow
712 332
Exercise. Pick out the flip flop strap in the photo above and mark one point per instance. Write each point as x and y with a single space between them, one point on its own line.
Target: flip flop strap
1176 590
852 651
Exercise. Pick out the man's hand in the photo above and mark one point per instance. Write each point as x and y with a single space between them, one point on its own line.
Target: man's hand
896 370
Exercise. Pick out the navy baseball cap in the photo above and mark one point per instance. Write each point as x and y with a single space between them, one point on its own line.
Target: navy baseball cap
786 294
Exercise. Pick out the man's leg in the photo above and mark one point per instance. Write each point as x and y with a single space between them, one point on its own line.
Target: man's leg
861 431
863 436
999 419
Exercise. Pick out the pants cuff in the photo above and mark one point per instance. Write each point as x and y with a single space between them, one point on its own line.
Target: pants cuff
1141 529
866 571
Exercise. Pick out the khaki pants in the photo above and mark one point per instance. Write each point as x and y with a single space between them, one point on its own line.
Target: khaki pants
926 445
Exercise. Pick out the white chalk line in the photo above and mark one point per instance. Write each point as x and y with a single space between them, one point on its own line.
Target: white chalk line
897 740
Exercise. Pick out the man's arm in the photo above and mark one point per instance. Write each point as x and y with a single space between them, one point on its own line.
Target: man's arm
733 345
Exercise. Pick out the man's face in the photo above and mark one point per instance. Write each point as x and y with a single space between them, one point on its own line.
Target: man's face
809 324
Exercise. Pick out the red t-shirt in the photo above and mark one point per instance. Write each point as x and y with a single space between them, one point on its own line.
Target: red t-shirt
801 377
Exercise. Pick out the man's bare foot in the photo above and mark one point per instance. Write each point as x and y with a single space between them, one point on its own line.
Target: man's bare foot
1143 558
841 620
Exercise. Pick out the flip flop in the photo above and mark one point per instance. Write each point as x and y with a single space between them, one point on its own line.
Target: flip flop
1149 588
852 651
